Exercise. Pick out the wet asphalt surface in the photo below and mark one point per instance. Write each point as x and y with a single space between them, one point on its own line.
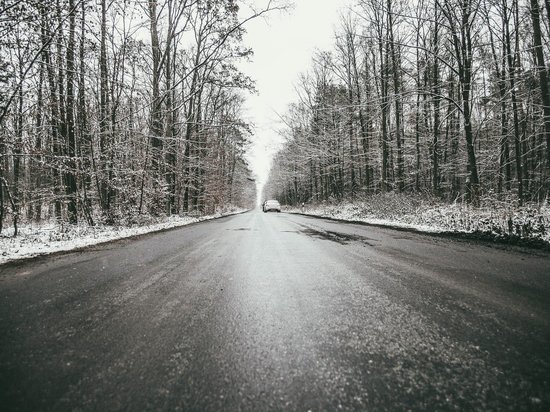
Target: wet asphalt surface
278 312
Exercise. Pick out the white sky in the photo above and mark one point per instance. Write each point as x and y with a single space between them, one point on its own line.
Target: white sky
283 47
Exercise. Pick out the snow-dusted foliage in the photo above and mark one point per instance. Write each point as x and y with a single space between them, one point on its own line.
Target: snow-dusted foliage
114 110
425 98
494 220
34 240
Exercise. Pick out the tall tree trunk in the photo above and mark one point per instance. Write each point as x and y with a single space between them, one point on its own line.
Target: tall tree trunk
511 57
397 91
417 115
462 42
351 113
504 171
84 143
104 138
70 176
384 107
543 80
53 106
191 118
436 103
365 121
17 148
156 105
170 136
60 142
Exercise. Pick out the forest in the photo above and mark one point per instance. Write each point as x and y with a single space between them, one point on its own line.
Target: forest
112 110
441 98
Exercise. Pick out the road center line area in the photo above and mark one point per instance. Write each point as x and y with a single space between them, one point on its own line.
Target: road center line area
272 311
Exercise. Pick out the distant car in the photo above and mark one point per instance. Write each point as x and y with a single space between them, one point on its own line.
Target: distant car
272 206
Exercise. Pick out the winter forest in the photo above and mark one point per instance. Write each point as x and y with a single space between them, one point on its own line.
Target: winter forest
114 109
445 98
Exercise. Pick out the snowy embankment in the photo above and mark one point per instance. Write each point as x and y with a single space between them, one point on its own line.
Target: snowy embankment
35 240
528 225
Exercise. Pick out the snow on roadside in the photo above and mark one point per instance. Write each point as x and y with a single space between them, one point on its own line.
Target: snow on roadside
35 240
492 221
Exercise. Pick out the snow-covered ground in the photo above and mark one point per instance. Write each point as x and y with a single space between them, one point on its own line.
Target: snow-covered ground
496 221
492 221
34 240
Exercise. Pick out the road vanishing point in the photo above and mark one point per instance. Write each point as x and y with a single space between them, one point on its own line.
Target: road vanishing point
273 311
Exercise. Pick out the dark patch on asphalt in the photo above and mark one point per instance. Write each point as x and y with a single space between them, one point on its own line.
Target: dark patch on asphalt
538 247
341 238
241 228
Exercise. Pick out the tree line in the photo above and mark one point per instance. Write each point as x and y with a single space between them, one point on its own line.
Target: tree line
445 97
113 109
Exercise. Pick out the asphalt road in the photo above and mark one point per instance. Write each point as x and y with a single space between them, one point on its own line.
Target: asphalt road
278 312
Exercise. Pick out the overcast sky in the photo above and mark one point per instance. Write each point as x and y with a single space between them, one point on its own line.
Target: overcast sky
283 47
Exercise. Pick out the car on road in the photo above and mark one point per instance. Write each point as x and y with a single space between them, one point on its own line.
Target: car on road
271 206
